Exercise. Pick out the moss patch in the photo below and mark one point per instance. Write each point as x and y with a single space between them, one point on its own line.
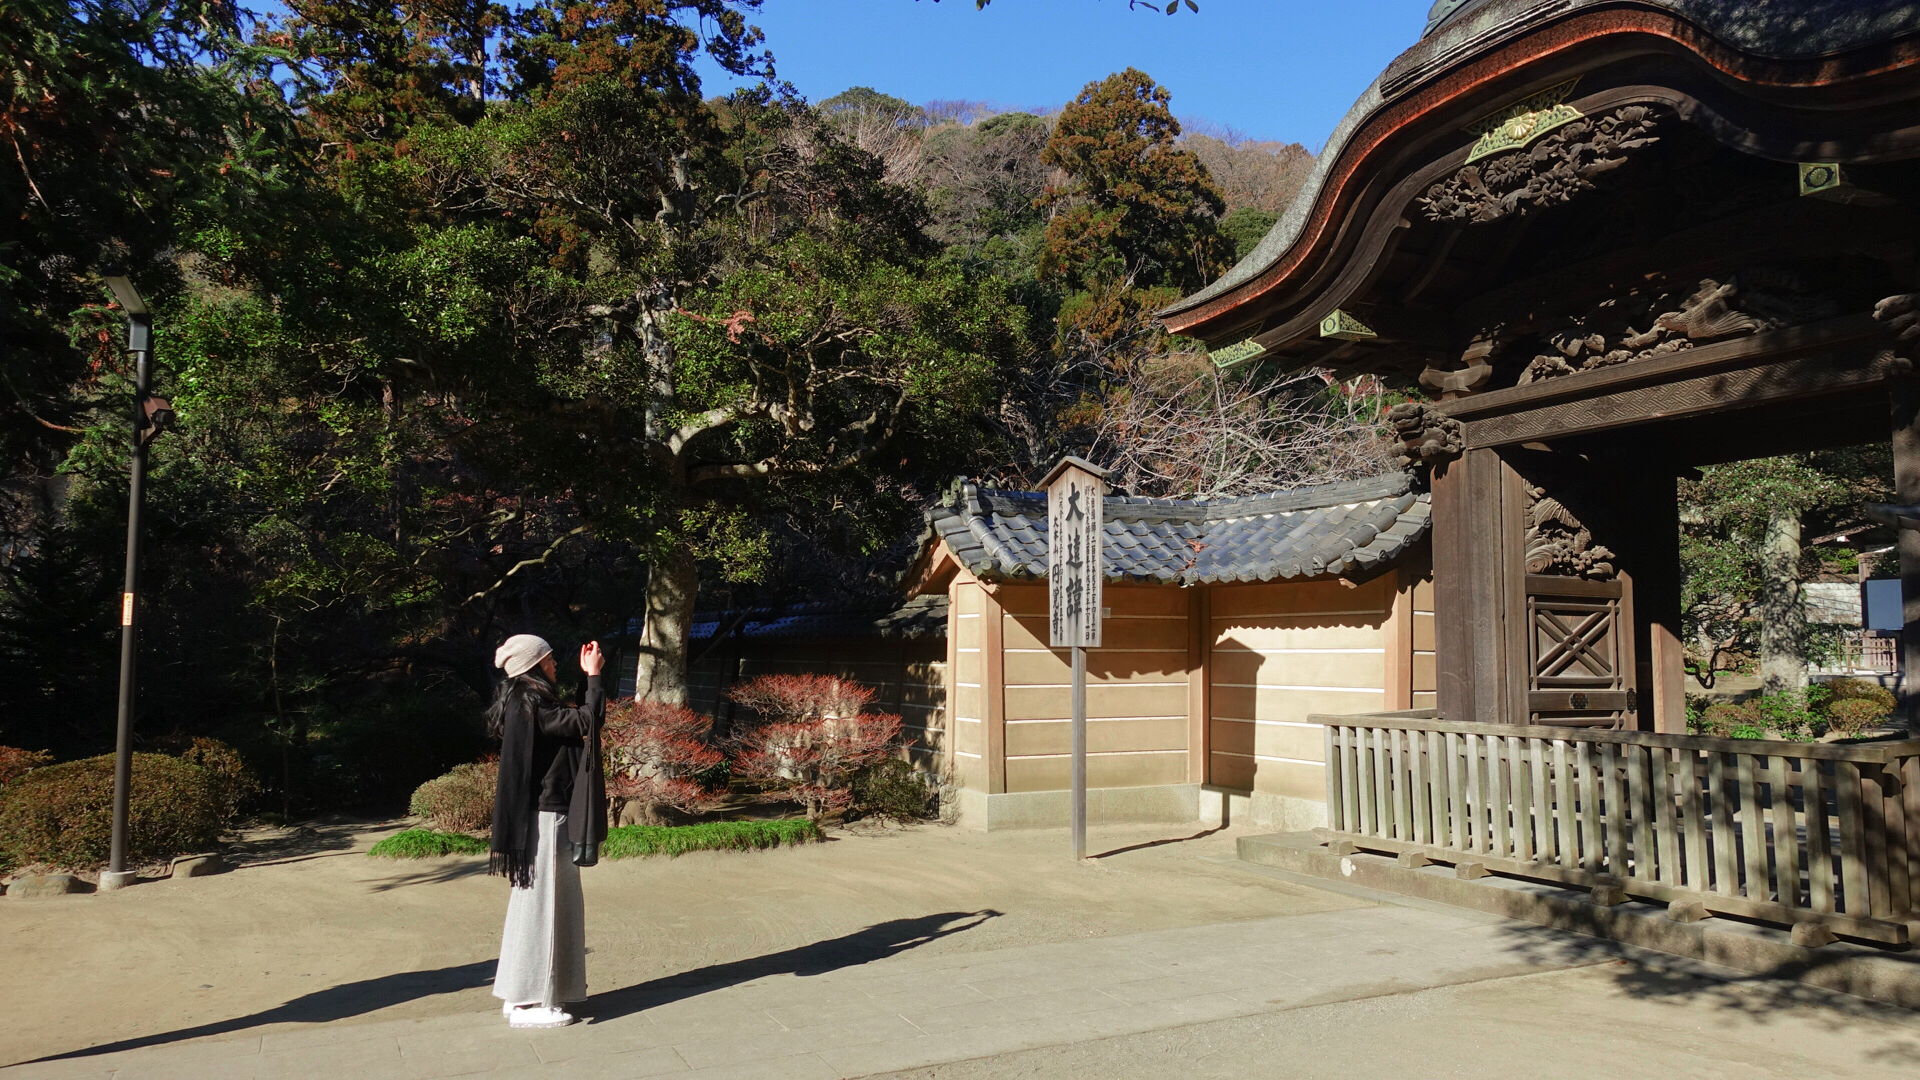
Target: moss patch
631 841
427 844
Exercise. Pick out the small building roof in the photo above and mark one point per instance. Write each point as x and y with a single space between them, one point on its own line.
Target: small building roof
1351 529
917 618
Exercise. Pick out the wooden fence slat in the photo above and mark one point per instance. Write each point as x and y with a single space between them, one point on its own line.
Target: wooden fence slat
1336 783
1615 810
1476 796
1405 794
1422 795
1753 831
1899 883
1910 773
1364 766
1565 825
1456 794
1498 796
1523 848
1786 835
1592 847
1639 802
1726 848
1813 790
1543 848
1692 792
1437 776
1873 817
1665 831
1853 845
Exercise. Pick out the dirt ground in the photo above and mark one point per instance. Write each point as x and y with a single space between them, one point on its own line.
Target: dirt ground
311 930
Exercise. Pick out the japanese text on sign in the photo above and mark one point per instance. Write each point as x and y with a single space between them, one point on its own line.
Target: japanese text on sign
1074 571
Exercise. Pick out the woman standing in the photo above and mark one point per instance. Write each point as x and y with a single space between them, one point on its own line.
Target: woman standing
549 818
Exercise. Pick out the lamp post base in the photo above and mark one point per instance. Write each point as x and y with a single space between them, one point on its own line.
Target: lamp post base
116 879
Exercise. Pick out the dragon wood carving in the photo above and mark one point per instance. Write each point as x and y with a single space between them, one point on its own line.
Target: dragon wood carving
1750 301
1552 171
1558 544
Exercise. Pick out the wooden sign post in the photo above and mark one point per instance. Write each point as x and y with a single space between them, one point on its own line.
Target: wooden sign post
1075 576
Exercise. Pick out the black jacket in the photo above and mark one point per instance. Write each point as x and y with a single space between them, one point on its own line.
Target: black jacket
549 760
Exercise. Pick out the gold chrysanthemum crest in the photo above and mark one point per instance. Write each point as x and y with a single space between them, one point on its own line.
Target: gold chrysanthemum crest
1520 123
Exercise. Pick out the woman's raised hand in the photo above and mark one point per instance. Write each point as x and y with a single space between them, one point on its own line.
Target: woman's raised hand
591 658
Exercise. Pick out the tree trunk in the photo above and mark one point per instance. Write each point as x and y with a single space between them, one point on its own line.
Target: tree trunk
1783 619
671 586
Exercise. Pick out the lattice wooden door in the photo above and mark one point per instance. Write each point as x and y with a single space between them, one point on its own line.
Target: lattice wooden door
1579 651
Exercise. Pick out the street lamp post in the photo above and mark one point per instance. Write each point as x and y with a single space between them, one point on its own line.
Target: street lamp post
150 415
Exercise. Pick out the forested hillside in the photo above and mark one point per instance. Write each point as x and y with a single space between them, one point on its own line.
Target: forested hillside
480 321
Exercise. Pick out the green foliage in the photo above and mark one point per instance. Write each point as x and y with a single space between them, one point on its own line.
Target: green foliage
1852 716
1839 690
61 815
1724 516
1246 227
632 841
427 844
1136 208
892 790
459 802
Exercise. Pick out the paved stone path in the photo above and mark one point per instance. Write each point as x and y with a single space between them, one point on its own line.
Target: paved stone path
899 1012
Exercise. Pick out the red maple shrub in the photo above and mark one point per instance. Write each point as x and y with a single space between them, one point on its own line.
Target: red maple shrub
654 752
814 735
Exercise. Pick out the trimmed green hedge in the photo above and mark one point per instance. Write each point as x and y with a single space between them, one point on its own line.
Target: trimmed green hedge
630 841
427 844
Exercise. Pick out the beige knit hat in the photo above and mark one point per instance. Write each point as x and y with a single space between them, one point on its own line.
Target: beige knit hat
520 654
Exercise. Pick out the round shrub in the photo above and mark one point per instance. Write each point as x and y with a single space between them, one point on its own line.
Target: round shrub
460 801
1721 719
61 815
1851 716
892 790
14 762
1839 690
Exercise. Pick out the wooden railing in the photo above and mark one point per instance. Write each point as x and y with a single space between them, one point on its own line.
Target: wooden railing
1782 832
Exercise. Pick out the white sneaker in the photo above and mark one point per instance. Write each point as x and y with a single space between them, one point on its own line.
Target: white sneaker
539 1016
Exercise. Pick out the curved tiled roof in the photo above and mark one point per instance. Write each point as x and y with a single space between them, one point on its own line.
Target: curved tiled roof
1332 530
916 618
1786 29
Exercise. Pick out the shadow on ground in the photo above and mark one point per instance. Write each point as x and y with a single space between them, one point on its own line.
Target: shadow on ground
1647 976
1201 835
334 834
876 942
321 1006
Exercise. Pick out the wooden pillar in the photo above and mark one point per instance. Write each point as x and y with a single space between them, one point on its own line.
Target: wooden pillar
1397 637
993 686
1453 602
1656 599
1906 484
1199 683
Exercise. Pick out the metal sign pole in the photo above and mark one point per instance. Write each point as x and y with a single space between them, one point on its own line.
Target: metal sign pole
1075 579
140 343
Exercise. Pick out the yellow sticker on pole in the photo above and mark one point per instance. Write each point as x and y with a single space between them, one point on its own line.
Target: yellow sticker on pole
126 609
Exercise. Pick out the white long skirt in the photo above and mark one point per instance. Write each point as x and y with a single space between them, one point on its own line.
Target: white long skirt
543 951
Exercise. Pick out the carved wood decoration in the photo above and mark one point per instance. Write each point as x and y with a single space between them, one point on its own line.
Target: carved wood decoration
1554 170
1558 544
1697 314
1427 435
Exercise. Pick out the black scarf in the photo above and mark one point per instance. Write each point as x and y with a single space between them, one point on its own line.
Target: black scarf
516 796
516 822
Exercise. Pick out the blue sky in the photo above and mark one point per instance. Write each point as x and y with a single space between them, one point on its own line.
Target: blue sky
1275 69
